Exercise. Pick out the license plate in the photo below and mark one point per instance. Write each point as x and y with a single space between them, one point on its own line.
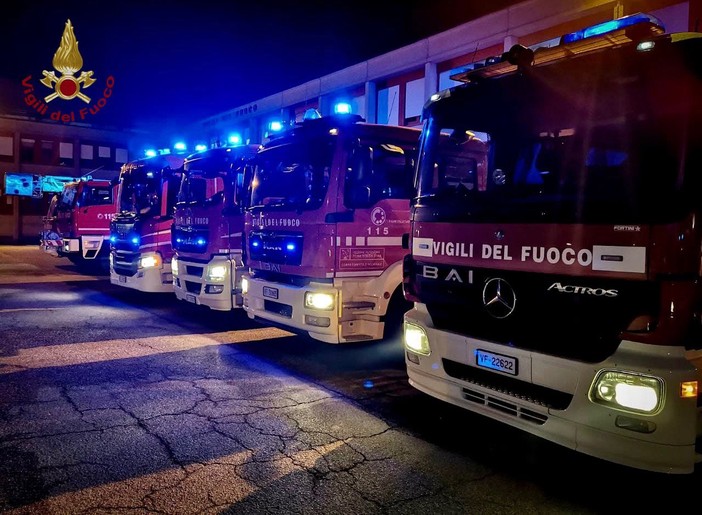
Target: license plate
271 293
190 298
123 278
499 362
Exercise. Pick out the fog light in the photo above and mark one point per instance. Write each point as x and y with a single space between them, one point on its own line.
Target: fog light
151 261
214 288
317 321
628 391
216 273
317 300
416 339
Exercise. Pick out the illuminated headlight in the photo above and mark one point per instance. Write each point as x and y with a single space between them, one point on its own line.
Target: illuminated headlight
416 339
216 273
150 261
627 391
244 285
315 300
174 266
112 260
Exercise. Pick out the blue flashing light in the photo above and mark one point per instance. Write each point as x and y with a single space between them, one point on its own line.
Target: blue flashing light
311 114
113 238
275 126
290 247
150 174
200 242
235 138
180 146
150 152
368 384
255 243
342 108
135 240
200 147
610 26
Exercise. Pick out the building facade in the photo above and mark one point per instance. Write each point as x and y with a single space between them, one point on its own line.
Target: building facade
392 88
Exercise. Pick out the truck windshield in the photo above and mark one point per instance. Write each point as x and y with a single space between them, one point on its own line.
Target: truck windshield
96 196
200 188
612 149
139 193
293 175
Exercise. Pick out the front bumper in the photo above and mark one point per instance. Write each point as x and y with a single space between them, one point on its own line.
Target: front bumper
549 397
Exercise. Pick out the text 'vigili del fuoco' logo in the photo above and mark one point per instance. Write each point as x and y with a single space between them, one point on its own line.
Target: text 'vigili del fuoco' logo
66 85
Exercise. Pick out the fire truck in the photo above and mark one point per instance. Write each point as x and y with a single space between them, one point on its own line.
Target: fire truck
140 232
207 229
77 225
329 204
555 244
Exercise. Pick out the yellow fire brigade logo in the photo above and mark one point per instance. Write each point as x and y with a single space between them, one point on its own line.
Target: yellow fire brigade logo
67 61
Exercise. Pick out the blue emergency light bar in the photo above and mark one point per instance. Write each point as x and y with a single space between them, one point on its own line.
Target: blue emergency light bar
611 26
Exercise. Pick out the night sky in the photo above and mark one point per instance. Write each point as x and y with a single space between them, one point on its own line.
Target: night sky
178 61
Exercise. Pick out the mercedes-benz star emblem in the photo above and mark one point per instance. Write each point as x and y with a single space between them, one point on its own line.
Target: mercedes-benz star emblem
499 298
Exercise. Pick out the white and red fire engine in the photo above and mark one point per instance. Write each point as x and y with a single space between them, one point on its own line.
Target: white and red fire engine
140 232
329 204
77 224
208 226
556 270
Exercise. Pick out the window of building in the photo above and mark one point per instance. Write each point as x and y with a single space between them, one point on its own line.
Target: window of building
27 150
414 101
6 150
87 153
48 152
104 156
66 154
388 106
121 155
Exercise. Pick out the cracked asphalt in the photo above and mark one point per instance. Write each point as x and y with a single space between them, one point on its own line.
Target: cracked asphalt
115 401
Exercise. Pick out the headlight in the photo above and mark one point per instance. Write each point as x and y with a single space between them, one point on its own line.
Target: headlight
150 261
244 285
416 339
628 391
216 273
174 266
324 301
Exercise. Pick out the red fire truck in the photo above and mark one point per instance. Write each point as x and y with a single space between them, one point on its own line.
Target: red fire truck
78 225
208 226
140 232
556 273
329 204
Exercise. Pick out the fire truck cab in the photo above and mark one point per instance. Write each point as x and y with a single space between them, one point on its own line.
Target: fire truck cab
329 204
555 273
80 225
140 232
208 227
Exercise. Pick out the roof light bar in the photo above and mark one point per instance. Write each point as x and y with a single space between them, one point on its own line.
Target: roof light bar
611 26
611 33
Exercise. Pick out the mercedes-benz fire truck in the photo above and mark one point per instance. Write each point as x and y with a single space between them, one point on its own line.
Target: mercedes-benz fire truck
208 227
140 232
329 204
556 275
79 227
